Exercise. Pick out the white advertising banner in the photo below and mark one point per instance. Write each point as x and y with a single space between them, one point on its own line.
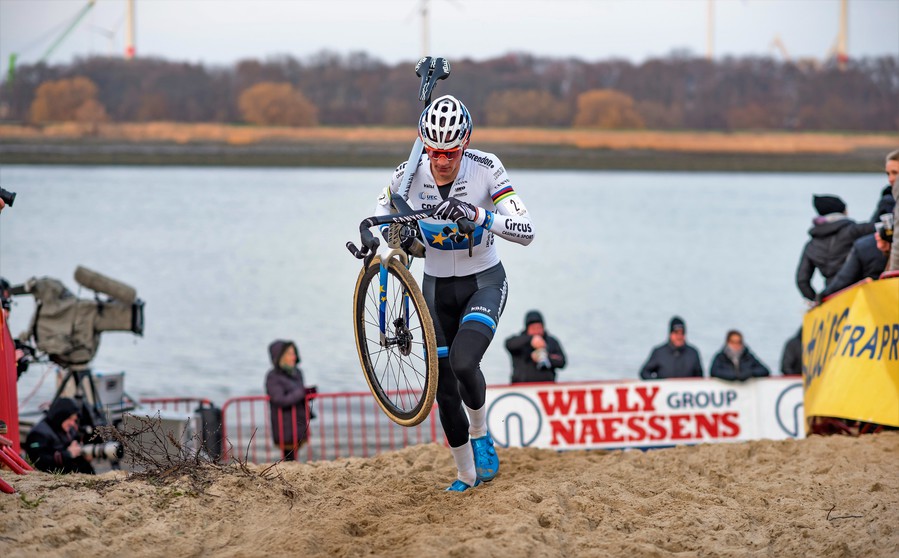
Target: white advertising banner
644 414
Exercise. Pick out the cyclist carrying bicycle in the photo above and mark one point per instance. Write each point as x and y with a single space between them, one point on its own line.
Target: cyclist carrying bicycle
465 290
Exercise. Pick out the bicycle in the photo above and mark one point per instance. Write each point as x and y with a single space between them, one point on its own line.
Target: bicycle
393 328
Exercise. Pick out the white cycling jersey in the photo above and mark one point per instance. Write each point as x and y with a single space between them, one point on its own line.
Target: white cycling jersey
483 182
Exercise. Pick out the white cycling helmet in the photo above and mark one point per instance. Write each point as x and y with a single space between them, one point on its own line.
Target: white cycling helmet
445 124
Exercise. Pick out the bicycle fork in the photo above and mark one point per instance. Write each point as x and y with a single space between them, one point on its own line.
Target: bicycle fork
403 336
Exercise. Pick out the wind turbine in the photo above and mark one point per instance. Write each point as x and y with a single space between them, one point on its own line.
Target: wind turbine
424 10
129 32
841 46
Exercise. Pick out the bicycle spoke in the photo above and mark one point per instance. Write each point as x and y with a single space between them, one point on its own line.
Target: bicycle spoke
399 369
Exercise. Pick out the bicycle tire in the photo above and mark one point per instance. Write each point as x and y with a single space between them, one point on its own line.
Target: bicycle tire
402 375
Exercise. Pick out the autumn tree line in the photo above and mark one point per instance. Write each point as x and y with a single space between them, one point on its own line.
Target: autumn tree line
678 92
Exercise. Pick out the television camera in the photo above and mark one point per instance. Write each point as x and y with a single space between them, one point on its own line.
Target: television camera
67 330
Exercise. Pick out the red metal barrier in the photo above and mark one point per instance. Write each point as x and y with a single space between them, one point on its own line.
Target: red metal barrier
345 424
6 445
12 460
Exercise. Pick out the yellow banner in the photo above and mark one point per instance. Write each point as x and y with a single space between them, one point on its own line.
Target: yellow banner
850 355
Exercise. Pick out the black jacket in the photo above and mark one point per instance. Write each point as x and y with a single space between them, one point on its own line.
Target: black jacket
524 369
666 361
791 360
864 260
885 204
47 445
747 367
287 398
827 250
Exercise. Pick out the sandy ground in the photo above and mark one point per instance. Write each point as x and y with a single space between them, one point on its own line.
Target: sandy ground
834 496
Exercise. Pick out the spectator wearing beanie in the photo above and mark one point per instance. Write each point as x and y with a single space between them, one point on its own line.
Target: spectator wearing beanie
832 235
536 355
674 359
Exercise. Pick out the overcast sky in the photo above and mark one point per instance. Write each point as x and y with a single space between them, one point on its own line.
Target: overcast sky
223 31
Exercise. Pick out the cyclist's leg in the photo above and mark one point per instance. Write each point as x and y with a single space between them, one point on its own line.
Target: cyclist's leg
478 325
449 402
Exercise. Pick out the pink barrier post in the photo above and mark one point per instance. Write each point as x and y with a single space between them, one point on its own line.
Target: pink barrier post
364 437
9 399
336 428
349 423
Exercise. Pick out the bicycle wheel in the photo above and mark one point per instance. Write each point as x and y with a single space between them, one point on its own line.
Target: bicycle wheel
395 340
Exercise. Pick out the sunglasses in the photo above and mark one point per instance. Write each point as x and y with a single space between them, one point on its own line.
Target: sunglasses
450 154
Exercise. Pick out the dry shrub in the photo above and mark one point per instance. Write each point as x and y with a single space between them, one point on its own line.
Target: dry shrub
277 104
91 111
67 100
608 109
157 456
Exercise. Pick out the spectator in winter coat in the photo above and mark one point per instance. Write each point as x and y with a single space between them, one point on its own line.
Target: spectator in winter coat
867 259
736 362
52 445
536 355
287 398
674 359
831 239
886 203
791 360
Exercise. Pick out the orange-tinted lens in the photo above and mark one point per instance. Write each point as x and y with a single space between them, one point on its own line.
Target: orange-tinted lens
437 153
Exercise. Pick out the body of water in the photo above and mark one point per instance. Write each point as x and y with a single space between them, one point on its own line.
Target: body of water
229 259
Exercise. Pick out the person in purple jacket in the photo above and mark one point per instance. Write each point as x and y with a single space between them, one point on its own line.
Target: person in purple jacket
287 398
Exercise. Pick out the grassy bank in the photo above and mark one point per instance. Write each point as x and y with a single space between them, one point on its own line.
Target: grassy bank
233 145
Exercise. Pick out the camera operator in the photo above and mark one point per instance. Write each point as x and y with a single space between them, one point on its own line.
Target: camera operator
52 444
536 355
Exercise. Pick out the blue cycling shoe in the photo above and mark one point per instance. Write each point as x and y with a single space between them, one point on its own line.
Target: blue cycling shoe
486 462
459 486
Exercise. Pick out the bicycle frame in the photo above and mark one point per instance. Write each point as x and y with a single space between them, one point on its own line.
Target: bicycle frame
370 246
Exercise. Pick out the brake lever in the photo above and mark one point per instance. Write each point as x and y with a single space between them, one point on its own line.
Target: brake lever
467 227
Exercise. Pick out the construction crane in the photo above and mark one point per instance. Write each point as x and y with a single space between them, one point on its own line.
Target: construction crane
11 72
777 44
129 40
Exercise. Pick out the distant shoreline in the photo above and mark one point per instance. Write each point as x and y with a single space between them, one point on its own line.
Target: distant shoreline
234 145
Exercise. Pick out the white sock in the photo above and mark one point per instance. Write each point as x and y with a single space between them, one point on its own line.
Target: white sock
464 459
477 421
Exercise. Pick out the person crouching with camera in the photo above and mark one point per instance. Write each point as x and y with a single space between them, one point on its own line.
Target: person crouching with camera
52 444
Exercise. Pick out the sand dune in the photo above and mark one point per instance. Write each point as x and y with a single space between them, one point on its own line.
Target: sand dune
833 496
